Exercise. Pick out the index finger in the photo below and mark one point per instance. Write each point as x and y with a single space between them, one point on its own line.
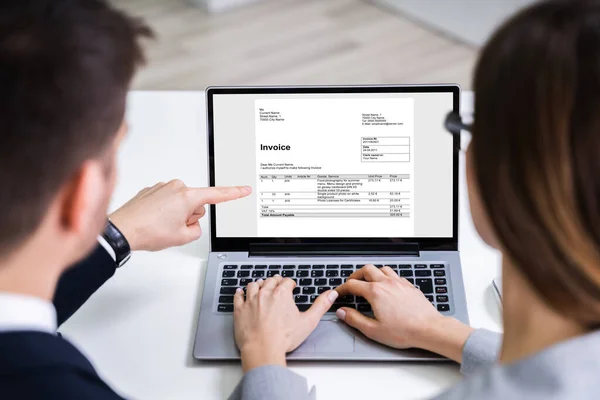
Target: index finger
287 284
219 194
368 273
356 287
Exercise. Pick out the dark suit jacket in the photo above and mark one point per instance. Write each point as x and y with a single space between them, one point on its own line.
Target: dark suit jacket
36 365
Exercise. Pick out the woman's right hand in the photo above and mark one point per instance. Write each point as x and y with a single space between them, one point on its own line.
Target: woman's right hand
403 316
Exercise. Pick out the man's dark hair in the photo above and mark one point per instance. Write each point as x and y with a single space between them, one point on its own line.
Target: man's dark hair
65 69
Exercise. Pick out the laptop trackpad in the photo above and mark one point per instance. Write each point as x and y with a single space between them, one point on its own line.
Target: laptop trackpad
329 337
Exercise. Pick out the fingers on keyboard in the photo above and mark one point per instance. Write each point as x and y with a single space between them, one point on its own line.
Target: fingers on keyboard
312 280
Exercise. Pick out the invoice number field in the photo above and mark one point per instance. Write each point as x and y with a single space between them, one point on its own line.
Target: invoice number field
385 149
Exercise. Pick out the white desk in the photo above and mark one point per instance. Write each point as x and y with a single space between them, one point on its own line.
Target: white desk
138 329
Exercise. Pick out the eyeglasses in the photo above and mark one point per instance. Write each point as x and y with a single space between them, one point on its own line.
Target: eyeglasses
454 124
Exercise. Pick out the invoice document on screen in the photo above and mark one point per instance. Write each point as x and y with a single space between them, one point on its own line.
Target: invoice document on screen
335 167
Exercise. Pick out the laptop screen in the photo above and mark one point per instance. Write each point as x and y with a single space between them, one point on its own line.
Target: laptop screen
334 165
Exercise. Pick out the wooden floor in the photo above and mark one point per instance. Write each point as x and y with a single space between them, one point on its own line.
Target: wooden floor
293 42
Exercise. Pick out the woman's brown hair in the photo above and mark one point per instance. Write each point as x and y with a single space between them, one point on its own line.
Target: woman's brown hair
536 149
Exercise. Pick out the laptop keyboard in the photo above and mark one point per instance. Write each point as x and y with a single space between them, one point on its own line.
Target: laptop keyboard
314 279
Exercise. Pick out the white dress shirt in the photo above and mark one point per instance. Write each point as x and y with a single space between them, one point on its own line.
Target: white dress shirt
27 313
107 247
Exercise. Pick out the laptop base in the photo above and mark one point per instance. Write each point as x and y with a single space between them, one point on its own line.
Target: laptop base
333 339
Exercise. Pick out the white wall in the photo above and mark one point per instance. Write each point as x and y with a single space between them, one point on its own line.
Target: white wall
471 21
220 5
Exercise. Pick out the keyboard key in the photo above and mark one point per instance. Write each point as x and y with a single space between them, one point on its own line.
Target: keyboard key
300 299
301 274
318 266
424 272
393 266
246 266
346 299
317 274
308 290
361 300
289 267
230 267
303 307
336 307
441 289
313 298
378 265
320 282
228 290
296 290
228 274
333 266
271 273
287 274
322 289
225 308
335 281
441 299
364 308
429 297
346 273
404 273
436 266
425 284
258 274
226 299
332 274
440 281
347 266
420 265
303 266
306 282
260 267
443 307
245 281
229 282
439 272
243 274
411 280
404 266
274 266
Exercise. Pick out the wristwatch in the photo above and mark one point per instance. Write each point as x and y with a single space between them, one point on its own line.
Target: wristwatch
115 239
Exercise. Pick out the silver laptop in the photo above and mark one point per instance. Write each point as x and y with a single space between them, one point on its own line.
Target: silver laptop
342 176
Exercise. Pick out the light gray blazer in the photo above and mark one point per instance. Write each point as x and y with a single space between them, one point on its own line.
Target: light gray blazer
569 370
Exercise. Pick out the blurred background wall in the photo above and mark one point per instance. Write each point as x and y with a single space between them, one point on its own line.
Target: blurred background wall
470 21
259 42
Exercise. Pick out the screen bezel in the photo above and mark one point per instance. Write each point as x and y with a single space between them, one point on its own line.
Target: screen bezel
223 244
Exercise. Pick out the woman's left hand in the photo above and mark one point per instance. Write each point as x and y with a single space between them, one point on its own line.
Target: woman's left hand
268 324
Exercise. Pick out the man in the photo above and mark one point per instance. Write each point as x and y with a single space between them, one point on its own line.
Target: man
65 69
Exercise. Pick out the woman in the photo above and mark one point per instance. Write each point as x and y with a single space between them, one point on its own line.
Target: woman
533 170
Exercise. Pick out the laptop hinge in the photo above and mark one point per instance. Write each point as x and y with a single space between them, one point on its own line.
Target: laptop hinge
333 249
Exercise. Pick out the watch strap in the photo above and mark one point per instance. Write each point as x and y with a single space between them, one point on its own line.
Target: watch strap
117 241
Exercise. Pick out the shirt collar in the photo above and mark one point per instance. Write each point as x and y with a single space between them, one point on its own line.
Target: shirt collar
26 313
